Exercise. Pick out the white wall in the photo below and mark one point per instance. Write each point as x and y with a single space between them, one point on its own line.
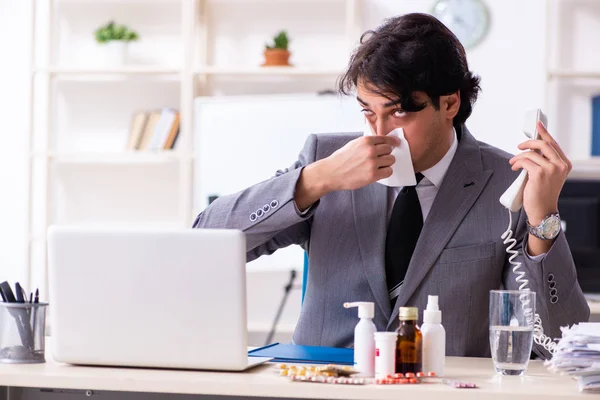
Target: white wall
14 92
510 61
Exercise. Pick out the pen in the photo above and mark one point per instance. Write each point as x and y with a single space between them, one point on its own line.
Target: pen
37 296
31 297
7 293
19 293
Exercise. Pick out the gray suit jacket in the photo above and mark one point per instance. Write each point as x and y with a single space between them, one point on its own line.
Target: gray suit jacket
460 255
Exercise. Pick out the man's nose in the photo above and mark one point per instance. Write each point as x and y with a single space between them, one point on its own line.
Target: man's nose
382 128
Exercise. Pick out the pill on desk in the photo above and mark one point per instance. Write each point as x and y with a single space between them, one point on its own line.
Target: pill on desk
398 376
413 380
460 385
420 374
409 375
431 373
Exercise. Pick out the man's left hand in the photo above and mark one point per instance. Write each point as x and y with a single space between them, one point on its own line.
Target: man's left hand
548 168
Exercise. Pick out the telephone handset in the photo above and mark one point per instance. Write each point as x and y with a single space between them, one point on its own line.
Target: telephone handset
512 199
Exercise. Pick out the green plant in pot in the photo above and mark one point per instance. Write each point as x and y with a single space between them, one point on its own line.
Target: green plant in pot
277 53
115 39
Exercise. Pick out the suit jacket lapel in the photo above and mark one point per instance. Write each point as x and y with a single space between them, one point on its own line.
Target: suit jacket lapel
460 188
371 222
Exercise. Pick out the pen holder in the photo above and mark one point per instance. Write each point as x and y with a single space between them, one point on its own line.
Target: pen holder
22 332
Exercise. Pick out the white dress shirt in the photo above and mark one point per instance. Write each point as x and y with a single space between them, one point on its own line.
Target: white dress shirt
428 188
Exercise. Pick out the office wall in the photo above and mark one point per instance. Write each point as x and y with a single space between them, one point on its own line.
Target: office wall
14 92
510 61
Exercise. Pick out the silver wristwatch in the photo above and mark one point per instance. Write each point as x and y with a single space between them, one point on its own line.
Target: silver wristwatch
548 229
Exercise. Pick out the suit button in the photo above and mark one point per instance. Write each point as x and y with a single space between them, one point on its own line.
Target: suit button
266 208
259 212
253 217
552 285
550 277
274 204
554 299
553 292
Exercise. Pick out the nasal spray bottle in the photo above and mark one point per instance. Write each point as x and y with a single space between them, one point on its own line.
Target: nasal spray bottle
434 338
364 339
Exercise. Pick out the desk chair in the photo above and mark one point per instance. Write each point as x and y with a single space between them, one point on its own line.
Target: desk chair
286 292
304 275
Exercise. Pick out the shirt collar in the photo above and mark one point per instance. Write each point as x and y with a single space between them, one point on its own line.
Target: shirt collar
437 173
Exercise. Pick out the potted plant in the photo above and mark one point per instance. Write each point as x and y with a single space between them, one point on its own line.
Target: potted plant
277 53
115 40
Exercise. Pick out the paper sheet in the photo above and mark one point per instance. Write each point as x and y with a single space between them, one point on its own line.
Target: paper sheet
403 173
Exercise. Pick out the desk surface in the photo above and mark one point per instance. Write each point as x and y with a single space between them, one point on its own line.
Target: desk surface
264 381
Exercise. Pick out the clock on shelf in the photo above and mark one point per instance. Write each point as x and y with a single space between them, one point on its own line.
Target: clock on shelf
469 20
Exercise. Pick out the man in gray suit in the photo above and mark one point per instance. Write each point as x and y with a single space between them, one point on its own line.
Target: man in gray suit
395 246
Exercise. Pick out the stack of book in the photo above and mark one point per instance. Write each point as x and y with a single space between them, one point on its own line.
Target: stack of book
154 130
578 355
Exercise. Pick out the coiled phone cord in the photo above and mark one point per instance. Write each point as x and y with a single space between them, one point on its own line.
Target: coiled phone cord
538 331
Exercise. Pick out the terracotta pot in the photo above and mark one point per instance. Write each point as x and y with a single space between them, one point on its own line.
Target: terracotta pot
277 57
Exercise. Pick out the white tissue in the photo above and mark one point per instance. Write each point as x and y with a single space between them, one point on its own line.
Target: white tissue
403 173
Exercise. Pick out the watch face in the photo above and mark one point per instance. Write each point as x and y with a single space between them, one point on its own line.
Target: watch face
551 227
467 19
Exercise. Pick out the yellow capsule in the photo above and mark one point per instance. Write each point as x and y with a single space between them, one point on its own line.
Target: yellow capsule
293 367
282 366
302 372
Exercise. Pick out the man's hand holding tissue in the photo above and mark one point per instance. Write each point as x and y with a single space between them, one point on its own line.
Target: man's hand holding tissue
359 163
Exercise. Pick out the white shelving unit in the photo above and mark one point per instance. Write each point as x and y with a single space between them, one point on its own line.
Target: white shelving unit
573 78
79 172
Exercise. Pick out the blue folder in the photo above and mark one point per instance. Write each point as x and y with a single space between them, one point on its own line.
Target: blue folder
291 353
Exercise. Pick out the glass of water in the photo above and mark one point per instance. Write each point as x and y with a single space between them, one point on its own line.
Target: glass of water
512 314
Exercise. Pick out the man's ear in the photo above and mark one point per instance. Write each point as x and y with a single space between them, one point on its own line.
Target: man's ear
450 104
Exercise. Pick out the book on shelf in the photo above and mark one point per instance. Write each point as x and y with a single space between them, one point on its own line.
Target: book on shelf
596 125
136 131
154 130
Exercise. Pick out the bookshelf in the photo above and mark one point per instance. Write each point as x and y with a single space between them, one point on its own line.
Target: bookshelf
573 78
81 106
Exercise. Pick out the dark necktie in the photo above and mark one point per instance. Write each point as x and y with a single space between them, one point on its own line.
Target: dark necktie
402 235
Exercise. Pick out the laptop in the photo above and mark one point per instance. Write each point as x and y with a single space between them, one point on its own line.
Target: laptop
139 297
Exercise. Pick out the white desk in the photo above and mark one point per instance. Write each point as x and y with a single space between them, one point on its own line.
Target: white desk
264 381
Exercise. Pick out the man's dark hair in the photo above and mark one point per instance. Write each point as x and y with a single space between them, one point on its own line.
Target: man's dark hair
413 52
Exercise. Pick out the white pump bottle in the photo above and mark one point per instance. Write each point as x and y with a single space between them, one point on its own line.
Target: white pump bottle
364 339
434 338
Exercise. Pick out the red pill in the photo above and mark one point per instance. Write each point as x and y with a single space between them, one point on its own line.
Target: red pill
398 376
420 374
410 375
431 373
413 380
